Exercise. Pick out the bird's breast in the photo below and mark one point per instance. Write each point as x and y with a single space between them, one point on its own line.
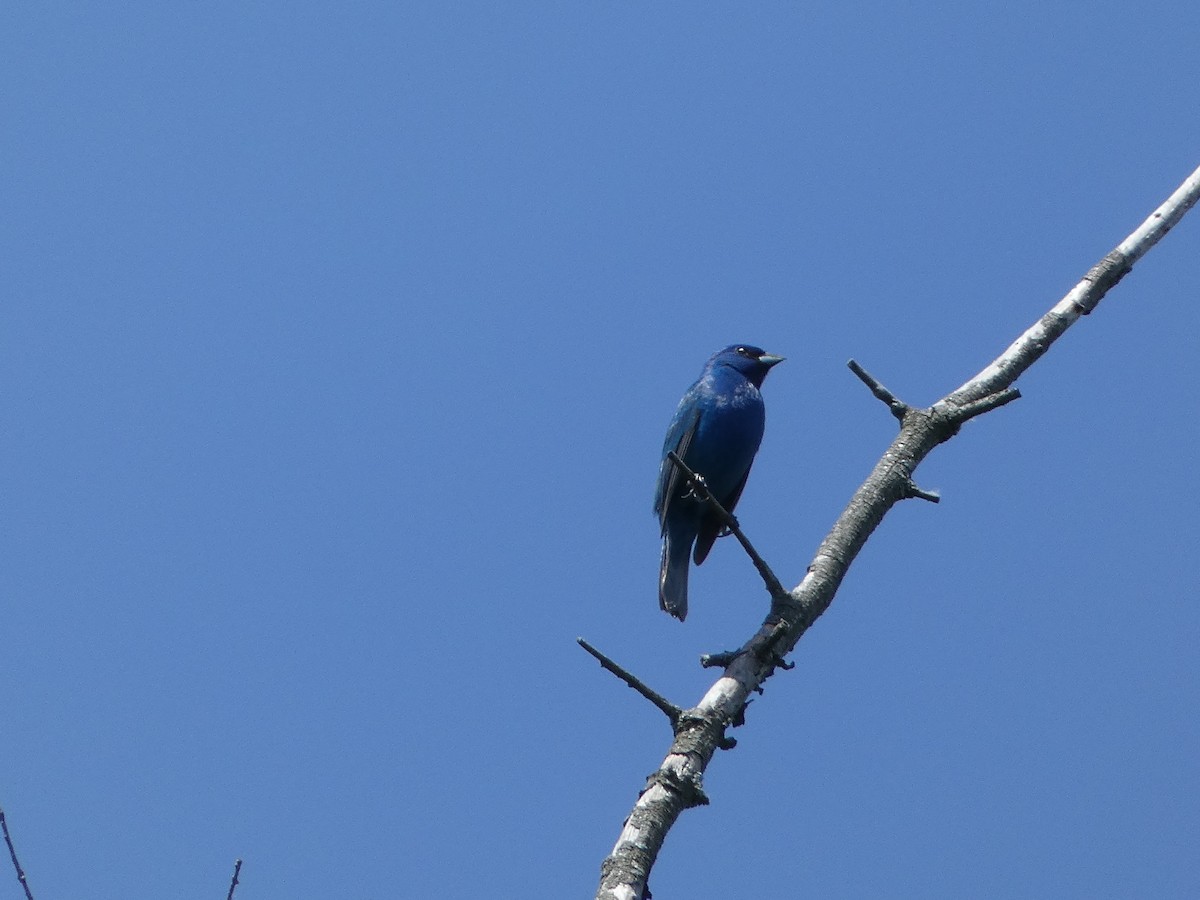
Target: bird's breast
737 396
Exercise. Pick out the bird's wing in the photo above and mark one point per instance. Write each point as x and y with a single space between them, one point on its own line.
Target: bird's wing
679 438
731 500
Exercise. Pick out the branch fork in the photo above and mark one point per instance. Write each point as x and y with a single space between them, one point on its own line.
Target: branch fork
701 729
946 418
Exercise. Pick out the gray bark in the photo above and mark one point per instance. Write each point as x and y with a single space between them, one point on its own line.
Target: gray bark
700 731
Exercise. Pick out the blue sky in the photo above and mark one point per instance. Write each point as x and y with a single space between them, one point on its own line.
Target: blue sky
338 345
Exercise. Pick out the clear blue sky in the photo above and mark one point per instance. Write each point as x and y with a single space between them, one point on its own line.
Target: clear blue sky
337 347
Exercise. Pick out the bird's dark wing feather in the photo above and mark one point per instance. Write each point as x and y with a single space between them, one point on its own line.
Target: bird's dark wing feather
679 438
731 501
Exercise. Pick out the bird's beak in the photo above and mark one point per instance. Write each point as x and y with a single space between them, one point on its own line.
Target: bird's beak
769 360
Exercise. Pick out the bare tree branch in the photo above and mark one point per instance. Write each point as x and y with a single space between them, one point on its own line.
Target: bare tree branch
669 709
13 853
233 882
679 779
897 406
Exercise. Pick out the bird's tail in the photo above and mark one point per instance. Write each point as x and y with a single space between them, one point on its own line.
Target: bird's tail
673 577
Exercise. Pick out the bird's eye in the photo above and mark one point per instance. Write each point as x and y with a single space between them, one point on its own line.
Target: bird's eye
746 352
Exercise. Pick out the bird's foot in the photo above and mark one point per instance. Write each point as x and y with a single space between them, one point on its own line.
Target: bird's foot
697 488
728 529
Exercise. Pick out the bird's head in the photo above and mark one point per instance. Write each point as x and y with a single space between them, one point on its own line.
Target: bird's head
753 362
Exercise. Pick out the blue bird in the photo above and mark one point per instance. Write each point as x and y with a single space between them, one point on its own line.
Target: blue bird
716 431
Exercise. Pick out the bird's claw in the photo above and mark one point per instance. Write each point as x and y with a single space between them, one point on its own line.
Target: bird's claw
697 488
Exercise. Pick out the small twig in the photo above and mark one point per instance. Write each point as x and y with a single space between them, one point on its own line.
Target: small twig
704 495
912 492
985 404
13 853
669 709
237 868
894 403
719 660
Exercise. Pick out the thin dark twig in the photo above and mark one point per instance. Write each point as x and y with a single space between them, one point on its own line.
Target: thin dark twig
13 853
669 709
237 868
894 403
700 489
